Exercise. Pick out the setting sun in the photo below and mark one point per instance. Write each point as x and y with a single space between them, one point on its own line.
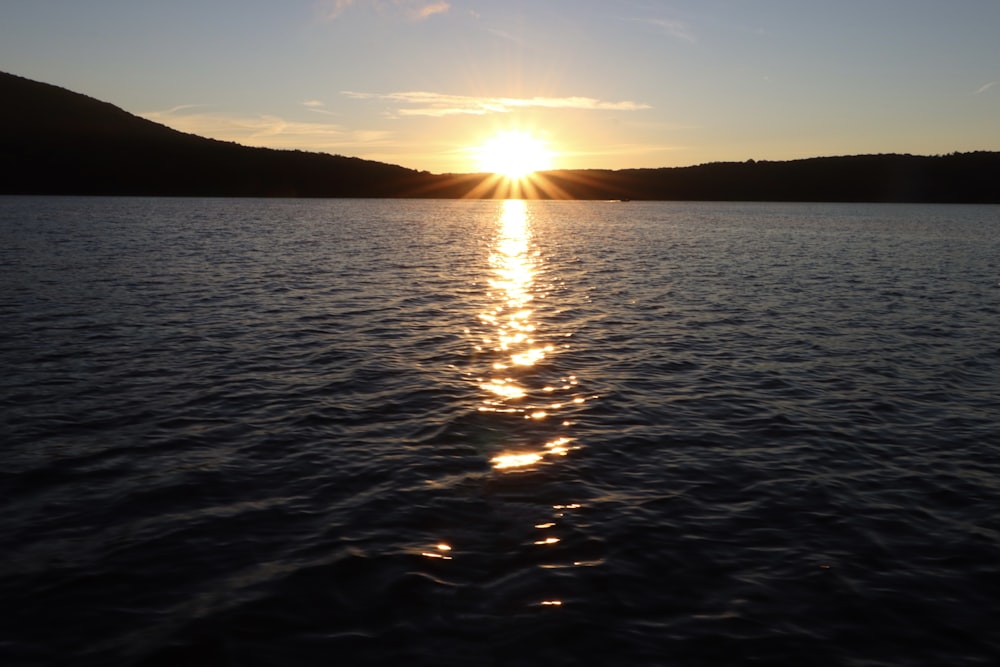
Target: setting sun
514 154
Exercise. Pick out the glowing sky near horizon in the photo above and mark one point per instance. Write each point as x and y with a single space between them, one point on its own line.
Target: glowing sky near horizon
606 84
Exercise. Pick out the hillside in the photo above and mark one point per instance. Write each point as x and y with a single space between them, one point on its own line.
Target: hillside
53 141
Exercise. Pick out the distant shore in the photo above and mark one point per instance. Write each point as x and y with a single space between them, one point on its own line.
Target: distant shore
54 141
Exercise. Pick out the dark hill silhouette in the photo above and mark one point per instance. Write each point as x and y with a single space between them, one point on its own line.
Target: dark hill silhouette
959 177
53 141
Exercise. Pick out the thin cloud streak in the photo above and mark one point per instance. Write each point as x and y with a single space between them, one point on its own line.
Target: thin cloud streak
982 89
677 29
182 107
416 10
337 7
270 131
318 106
504 35
424 103
430 10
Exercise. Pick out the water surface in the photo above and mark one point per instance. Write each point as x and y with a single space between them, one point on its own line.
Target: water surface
277 432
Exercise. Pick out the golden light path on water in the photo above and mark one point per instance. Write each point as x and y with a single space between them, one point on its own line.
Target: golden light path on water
518 379
515 340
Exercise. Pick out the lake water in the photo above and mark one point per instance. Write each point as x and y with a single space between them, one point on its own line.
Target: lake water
338 432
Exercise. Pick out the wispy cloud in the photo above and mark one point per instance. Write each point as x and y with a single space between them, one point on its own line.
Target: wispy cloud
334 8
504 35
417 10
318 106
677 29
425 11
182 107
982 89
268 131
423 103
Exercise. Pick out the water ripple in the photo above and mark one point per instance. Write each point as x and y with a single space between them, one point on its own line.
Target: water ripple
453 433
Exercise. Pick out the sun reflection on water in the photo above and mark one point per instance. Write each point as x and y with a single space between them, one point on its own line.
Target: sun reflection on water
528 401
521 353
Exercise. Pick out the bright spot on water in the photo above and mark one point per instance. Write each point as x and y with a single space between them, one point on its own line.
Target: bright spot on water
505 461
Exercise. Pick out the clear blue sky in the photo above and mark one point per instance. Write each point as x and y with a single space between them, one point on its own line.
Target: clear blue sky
608 84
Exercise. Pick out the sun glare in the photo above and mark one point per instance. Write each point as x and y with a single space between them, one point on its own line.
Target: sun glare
514 154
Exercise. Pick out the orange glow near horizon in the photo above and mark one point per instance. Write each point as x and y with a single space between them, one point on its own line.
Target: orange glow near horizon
515 162
514 154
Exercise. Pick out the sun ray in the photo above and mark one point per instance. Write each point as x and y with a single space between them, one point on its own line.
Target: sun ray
514 154
500 176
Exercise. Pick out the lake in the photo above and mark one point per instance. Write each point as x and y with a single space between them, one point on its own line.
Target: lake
360 432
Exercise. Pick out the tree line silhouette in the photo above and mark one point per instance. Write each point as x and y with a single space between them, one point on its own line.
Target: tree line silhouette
53 141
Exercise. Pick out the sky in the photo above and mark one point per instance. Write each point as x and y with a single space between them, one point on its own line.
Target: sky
605 84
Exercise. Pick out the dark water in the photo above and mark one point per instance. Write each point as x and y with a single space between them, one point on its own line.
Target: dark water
482 433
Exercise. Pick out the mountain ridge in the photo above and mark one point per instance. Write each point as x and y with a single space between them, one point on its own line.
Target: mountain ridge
55 141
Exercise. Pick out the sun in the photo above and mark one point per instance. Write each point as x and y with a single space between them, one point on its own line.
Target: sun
514 154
